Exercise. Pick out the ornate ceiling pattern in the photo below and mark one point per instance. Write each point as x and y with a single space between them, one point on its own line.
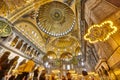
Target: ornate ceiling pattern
53 19
51 55
8 7
66 56
30 30
63 44
59 31
60 21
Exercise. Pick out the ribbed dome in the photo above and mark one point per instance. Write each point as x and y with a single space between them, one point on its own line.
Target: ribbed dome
55 18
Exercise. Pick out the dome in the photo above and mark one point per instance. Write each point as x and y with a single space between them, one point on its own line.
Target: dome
55 18
51 55
66 56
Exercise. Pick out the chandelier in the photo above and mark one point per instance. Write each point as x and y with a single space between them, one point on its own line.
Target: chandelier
100 32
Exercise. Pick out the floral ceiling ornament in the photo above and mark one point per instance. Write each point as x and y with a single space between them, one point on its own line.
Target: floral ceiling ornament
55 18
100 32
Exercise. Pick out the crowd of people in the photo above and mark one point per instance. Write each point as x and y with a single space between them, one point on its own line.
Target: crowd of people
42 76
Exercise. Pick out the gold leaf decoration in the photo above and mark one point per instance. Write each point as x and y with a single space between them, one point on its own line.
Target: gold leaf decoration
55 18
51 55
66 56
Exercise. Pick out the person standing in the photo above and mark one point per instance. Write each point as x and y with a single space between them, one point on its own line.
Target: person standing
12 77
85 75
52 76
42 76
63 77
35 77
69 76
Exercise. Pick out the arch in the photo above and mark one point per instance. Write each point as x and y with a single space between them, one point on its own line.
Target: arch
78 51
4 57
44 58
31 31
104 71
32 52
28 50
24 47
4 61
66 56
18 46
100 72
15 40
13 62
22 62
51 55
62 44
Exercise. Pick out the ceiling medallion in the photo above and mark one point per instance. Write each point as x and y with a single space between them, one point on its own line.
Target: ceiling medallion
100 32
55 18
5 27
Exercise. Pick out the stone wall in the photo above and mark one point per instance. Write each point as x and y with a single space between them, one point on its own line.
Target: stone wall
97 11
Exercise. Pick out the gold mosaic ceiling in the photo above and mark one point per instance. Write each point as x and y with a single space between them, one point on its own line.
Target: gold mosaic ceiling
14 10
9 7
63 44
66 56
55 18
51 55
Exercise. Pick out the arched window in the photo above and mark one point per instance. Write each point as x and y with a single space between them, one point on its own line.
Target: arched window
30 31
24 47
19 44
15 40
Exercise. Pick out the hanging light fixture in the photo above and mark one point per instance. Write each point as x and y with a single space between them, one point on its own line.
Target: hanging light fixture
55 18
100 32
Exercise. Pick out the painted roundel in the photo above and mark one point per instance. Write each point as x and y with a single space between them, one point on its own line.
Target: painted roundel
5 27
55 18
